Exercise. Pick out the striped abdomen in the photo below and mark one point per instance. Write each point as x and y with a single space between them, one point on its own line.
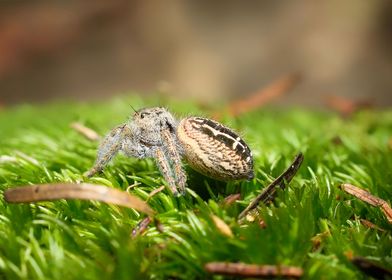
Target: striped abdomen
215 150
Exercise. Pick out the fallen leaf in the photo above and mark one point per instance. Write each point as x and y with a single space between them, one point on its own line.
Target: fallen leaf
83 191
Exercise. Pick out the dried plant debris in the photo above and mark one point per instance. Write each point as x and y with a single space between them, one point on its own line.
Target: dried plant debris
89 133
262 224
141 227
222 226
346 107
269 192
367 197
369 224
371 268
318 239
155 192
84 191
276 89
253 270
230 199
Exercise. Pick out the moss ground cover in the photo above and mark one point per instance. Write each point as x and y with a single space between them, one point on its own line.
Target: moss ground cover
312 224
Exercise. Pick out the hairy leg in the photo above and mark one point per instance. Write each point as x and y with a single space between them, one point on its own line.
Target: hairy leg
164 167
108 148
175 157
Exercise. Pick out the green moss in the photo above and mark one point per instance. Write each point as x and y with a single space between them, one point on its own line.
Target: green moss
90 240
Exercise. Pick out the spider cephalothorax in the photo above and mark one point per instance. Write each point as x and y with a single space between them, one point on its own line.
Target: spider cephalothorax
209 147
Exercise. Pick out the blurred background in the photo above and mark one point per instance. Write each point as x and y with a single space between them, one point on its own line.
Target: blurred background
204 50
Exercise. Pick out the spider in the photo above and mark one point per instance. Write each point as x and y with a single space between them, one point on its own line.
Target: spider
209 147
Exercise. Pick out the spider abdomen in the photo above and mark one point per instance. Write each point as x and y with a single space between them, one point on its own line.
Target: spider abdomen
215 150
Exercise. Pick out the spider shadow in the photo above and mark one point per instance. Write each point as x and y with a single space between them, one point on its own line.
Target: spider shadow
207 188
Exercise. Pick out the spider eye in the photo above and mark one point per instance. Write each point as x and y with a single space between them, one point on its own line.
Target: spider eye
142 115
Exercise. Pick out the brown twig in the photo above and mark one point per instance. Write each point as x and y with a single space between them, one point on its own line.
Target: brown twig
363 195
387 210
85 131
57 191
230 199
269 192
253 270
367 197
345 106
141 226
261 97
369 224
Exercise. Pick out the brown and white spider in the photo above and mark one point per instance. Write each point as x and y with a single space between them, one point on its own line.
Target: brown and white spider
209 147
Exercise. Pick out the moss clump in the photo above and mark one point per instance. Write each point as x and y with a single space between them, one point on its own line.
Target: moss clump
90 240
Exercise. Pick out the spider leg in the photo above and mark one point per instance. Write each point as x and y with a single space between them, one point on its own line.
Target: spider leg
108 148
164 167
180 175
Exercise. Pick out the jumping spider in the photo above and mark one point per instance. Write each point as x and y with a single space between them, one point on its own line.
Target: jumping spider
209 147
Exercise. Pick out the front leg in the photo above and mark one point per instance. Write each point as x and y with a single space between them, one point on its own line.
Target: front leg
164 167
108 148
171 148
